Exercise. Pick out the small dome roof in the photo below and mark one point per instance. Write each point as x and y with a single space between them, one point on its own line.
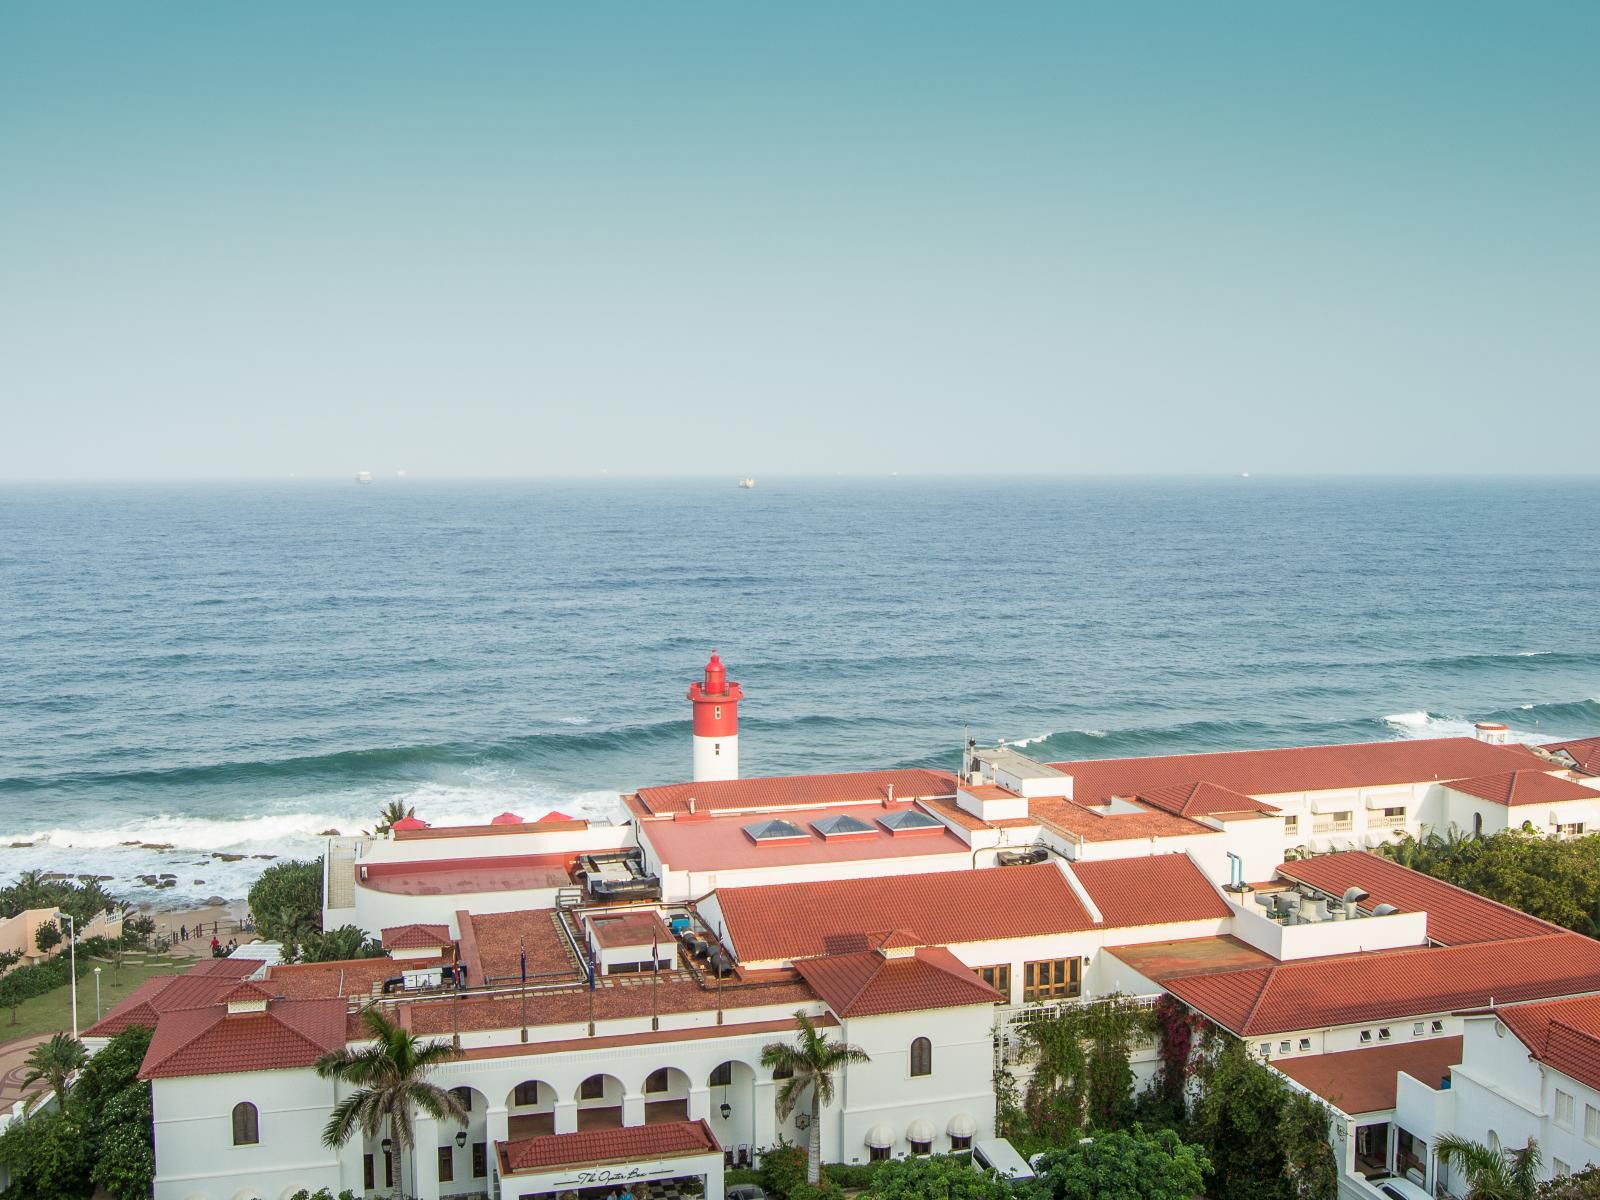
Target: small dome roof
409 823
506 818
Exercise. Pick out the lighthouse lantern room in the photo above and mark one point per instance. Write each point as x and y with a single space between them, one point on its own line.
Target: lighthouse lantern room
716 723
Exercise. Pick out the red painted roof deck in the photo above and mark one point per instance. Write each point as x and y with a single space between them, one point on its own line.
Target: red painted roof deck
330 980
498 827
1298 769
1367 1081
1532 786
795 791
465 876
1455 915
720 843
1160 961
630 929
499 940
1083 822
602 1147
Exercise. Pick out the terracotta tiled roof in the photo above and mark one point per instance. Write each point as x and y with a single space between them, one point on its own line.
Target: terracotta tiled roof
1583 751
1094 826
1201 799
1365 1081
1159 889
204 984
1161 961
865 985
856 787
417 937
1564 1034
630 929
674 1139
1455 916
1531 786
213 1041
1348 989
801 920
1299 769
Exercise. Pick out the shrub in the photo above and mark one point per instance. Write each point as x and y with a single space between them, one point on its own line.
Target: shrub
783 1168
287 901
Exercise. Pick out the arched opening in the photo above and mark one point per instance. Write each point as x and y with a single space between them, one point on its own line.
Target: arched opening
666 1096
531 1109
731 1109
462 1154
921 1056
246 1124
599 1100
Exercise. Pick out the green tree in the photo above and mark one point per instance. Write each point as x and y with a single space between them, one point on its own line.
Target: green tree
1305 1127
1122 1164
392 813
1081 1077
810 1061
47 937
48 1156
1492 1174
390 1081
287 901
1236 1120
1580 1185
53 1062
931 1178
124 1158
336 944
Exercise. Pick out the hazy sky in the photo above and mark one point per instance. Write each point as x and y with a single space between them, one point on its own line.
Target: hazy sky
524 239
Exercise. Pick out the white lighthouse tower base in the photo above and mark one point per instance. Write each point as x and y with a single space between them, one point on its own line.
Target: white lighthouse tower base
716 757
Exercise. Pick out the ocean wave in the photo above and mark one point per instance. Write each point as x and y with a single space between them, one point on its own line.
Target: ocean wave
1422 724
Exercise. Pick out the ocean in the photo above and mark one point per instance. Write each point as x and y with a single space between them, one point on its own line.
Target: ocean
232 669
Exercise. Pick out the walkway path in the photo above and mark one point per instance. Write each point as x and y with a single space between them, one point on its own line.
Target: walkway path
13 1059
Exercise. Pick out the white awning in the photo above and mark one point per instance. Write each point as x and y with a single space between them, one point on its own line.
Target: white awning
1333 804
881 1137
920 1130
961 1125
1388 802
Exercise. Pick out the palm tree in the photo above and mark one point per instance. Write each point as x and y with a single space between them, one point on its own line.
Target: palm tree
809 1062
395 810
1492 1174
390 1083
54 1062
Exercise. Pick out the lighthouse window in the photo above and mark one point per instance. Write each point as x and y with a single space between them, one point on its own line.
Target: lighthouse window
716 749
716 712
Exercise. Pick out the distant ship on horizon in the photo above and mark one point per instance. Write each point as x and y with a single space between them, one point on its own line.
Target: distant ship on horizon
748 481
363 476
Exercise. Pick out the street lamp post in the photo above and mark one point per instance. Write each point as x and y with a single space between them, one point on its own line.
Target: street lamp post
97 995
72 968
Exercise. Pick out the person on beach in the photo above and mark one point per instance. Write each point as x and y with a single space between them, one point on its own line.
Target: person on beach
216 947
183 934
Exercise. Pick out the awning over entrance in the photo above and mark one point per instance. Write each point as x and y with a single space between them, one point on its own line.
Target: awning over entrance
609 1158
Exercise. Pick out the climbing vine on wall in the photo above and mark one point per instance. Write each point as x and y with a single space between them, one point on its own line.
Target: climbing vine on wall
1081 1076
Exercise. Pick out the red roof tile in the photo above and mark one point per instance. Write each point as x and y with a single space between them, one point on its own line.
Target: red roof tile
1365 1081
1455 915
1347 989
1563 1034
213 1041
1531 786
326 980
1159 889
864 985
417 937
1201 799
1583 751
856 787
801 920
674 1139
1297 769
203 984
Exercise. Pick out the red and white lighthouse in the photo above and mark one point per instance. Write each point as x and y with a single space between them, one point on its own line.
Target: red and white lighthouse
716 723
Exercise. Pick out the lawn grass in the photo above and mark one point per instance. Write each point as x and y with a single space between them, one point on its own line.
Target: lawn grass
52 1012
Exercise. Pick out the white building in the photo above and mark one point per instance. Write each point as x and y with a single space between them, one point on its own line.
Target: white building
611 987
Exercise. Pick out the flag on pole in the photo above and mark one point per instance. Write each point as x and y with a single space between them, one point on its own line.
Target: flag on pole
522 955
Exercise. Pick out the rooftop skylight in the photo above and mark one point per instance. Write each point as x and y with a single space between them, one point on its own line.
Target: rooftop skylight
908 821
841 825
766 832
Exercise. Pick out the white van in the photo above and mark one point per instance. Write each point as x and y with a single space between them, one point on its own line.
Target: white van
1000 1156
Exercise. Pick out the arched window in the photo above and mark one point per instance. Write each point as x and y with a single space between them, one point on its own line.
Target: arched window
922 1057
657 1081
246 1124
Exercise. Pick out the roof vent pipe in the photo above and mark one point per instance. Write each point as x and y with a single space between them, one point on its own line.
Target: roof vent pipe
691 803
1384 910
1354 896
891 793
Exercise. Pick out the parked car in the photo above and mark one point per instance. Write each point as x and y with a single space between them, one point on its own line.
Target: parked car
1396 1188
745 1191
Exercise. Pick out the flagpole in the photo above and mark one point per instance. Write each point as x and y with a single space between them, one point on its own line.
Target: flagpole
655 978
522 956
